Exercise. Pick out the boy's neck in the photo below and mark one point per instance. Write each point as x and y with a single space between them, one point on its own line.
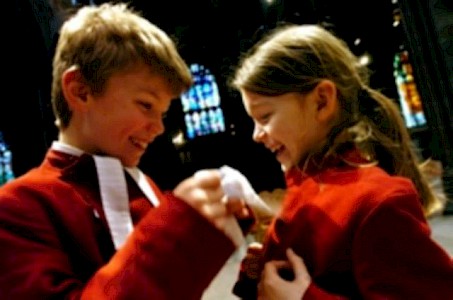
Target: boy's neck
66 138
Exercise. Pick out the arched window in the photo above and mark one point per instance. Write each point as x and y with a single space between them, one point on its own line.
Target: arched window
6 170
201 104
409 98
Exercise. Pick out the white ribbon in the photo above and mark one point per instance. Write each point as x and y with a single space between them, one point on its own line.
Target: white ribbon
115 199
113 189
114 196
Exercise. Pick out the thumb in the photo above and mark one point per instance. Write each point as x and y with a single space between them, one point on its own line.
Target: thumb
208 178
297 263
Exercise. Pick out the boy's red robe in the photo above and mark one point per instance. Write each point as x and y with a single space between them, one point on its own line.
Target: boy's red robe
55 243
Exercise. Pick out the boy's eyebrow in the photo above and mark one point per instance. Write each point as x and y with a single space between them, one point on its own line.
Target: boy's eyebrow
155 96
148 90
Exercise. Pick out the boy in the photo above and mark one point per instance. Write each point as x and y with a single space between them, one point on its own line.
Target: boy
65 232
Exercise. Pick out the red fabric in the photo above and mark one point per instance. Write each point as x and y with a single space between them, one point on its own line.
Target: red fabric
55 244
362 235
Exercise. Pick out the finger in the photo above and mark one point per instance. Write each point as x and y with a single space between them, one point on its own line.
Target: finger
260 291
214 195
277 264
236 206
208 178
210 192
297 263
214 211
242 214
272 269
201 197
268 274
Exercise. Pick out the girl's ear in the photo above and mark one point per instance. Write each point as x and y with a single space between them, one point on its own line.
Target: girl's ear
327 104
75 90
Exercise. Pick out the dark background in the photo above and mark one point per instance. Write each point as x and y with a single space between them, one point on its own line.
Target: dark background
210 32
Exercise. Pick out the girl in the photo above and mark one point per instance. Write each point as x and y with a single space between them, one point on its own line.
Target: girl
353 222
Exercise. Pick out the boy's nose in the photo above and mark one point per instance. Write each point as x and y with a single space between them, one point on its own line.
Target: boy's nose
156 126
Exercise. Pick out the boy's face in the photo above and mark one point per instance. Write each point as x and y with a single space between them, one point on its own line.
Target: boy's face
124 119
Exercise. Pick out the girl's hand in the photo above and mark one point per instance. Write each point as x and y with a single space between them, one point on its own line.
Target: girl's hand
284 279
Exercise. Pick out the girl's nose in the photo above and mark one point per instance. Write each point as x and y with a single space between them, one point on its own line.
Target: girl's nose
258 133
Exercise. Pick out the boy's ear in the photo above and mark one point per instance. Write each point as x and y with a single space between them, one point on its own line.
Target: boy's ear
327 104
74 88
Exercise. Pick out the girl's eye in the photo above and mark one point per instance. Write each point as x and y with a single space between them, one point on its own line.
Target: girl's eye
146 105
264 118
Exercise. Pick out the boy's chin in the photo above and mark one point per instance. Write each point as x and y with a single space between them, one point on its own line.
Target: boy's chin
130 163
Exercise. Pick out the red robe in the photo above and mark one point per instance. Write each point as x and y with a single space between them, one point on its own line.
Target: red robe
55 243
362 235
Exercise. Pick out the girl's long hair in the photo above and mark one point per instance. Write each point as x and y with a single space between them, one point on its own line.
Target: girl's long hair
295 58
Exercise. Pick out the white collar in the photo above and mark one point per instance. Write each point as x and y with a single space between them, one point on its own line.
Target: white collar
113 190
66 148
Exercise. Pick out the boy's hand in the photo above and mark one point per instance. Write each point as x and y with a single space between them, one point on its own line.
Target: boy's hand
204 192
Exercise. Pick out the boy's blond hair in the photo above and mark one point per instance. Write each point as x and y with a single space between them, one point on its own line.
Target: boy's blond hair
102 40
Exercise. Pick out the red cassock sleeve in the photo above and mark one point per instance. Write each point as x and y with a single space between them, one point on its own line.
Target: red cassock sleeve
173 253
394 256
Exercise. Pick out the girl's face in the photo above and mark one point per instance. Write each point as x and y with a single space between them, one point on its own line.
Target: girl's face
288 124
